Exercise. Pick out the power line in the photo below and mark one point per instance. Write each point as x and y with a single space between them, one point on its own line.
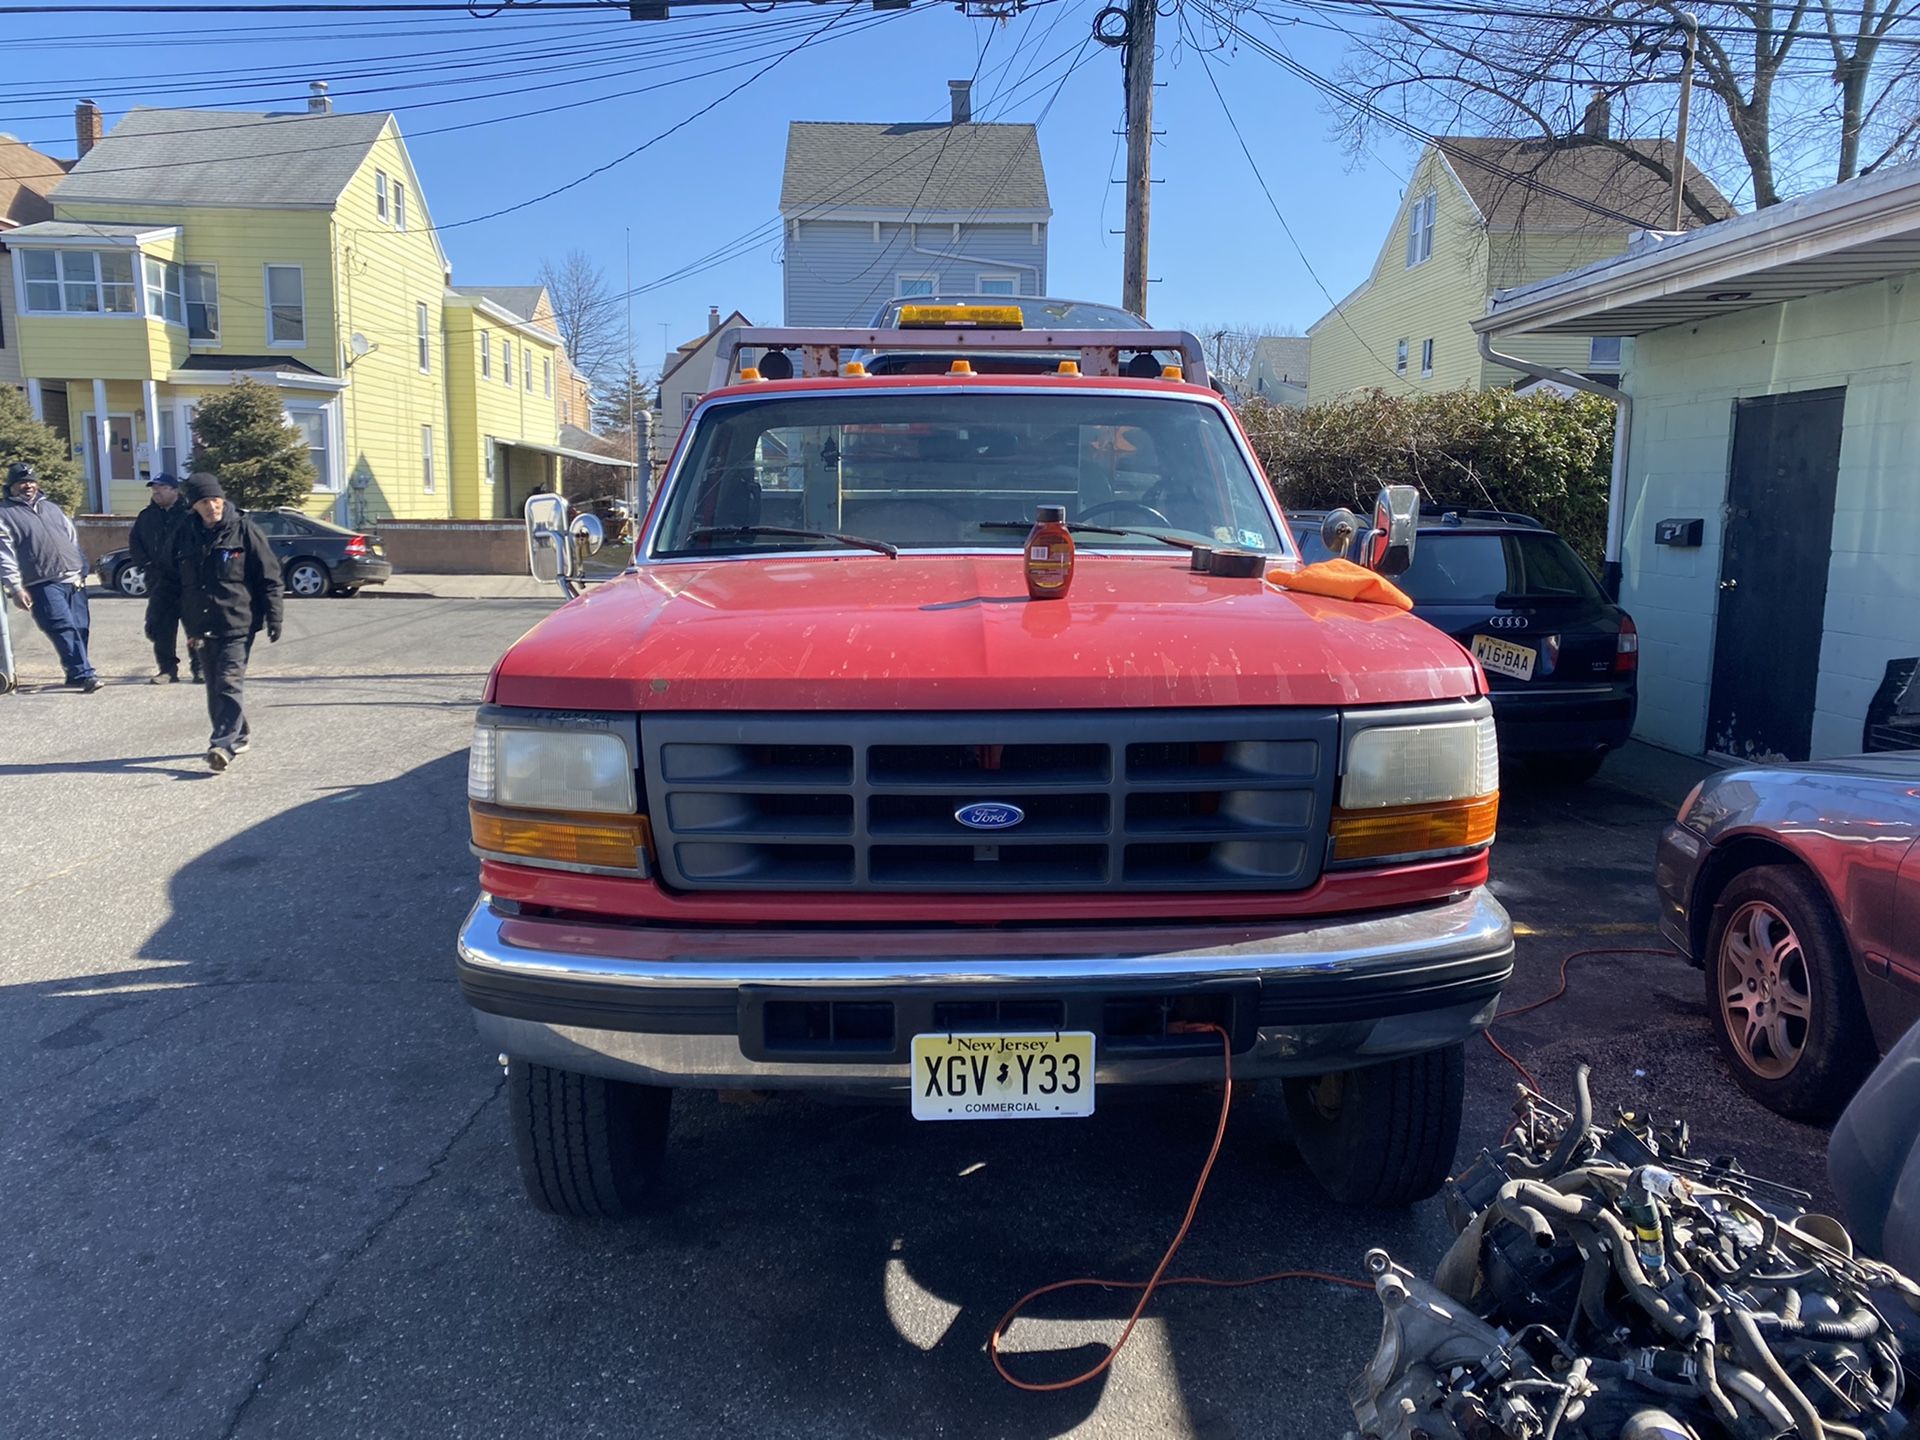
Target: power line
1206 65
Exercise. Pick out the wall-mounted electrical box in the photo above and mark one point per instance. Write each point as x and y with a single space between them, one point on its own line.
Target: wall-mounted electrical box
1684 533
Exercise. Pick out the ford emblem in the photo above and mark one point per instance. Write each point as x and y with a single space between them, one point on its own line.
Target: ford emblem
989 815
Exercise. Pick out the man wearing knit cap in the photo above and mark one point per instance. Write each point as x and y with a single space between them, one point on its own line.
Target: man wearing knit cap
42 570
225 583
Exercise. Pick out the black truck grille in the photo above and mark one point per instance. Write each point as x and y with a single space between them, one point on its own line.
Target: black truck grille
1109 800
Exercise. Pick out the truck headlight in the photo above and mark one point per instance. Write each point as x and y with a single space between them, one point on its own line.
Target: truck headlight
1412 787
557 790
539 769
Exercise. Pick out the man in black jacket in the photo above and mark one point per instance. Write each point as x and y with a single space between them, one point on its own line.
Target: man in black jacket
226 581
150 546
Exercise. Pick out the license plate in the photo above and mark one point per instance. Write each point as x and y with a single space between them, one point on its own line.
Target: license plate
1503 657
1003 1075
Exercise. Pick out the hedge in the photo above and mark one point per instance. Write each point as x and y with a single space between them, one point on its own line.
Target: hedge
1539 454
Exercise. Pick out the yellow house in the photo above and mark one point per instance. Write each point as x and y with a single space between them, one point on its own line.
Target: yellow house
191 248
1485 214
503 386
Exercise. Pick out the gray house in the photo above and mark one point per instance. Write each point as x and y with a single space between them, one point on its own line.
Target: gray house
874 212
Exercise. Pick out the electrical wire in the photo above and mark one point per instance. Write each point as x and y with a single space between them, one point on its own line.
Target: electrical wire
1206 65
1156 1281
1559 992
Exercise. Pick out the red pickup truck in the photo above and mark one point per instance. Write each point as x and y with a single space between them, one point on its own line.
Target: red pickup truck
816 796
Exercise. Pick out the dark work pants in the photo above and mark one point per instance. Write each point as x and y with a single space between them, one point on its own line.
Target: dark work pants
163 629
224 659
60 610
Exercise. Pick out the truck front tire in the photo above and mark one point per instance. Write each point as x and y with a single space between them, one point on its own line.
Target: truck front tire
588 1148
1383 1136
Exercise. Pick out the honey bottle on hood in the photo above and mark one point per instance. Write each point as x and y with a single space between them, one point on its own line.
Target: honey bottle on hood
1049 554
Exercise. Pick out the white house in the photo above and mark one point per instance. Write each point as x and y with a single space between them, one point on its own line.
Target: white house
1766 498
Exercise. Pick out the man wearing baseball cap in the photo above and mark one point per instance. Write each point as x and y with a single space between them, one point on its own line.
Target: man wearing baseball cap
150 546
225 580
43 570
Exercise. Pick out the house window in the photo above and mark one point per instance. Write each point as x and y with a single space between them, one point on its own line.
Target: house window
426 458
165 300
506 359
380 194
420 331
486 354
286 305
687 402
202 286
311 422
399 206
910 285
79 282
546 374
1400 358
1426 357
999 284
1603 352
1420 228
167 444
488 453
526 368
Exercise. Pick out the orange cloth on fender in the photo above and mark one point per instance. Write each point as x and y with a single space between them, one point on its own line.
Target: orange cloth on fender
1342 580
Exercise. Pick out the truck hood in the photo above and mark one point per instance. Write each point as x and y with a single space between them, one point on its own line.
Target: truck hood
957 632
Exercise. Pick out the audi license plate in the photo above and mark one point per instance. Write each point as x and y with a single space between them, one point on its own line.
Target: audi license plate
1503 657
1003 1076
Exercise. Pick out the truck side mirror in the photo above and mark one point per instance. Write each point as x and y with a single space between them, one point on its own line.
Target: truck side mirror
1396 518
1337 531
548 551
588 535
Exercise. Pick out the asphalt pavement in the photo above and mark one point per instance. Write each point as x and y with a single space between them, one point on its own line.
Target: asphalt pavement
254 1166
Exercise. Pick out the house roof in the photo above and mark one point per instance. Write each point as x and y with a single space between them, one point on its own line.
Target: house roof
224 157
687 350
25 178
1285 355
521 300
1540 184
922 168
1854 233
56 230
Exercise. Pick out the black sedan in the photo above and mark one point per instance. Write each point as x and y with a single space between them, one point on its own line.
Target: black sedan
316 557
1560 658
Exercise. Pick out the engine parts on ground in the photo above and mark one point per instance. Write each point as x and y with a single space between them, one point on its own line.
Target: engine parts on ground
1606 1285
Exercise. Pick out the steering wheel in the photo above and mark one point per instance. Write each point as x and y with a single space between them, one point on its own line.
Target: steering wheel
1091 517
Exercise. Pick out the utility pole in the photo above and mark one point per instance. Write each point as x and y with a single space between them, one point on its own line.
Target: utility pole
1692 26
1139 70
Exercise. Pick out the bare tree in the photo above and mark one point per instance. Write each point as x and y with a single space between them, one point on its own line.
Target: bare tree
587 312
1787 95
1231 347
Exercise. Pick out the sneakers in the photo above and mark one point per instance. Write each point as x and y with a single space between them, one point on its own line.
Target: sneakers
88 685
240 745
165 677
218 759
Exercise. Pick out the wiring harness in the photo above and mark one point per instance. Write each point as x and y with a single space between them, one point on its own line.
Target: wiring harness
1606 1285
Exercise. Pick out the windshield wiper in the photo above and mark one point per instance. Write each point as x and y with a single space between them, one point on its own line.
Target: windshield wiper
740 532
1074 527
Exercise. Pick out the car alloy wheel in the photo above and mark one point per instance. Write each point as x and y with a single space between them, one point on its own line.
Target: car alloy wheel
131 580
307 580
1766 993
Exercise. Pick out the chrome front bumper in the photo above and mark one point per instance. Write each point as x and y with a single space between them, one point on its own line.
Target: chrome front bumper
692 1007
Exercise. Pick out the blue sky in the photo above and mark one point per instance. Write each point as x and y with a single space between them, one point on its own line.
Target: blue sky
1217 251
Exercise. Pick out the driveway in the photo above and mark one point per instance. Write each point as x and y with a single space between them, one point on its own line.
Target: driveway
255 1170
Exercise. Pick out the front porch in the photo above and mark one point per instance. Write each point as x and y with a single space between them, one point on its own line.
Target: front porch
123 432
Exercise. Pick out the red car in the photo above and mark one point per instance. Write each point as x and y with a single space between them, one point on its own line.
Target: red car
1796 888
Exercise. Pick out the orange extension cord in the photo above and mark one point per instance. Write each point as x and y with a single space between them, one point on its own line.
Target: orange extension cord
1157 1281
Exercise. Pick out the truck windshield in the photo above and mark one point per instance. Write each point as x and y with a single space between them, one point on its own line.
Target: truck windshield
926 470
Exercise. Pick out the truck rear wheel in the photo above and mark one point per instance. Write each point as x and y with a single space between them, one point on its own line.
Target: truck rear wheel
1383 1136
589 1148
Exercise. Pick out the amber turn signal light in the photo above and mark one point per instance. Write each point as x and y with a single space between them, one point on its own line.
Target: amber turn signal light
1409 830
604 842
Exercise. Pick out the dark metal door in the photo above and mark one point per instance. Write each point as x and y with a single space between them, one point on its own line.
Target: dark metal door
1774 552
